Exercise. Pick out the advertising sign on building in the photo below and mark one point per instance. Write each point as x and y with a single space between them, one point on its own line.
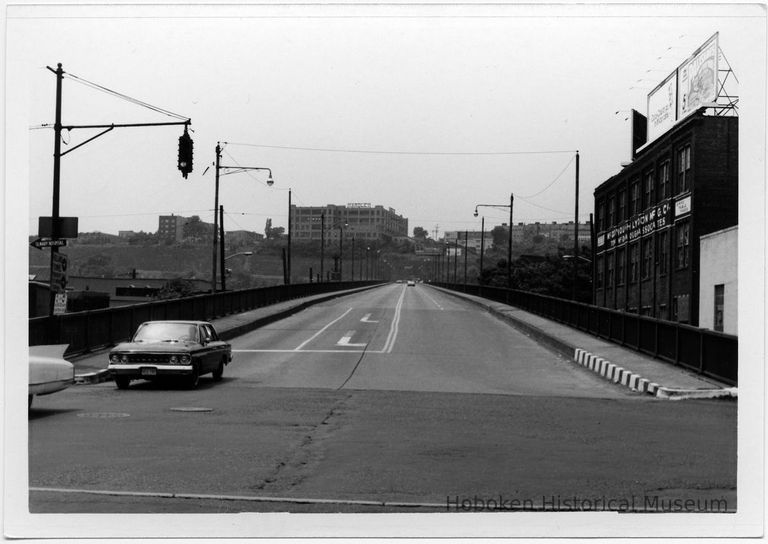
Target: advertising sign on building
683 206
698 79
640 225
662 106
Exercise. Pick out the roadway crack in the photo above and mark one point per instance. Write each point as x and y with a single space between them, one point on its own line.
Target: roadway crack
301 460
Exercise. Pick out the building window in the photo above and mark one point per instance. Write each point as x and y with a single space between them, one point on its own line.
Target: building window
599 273
634 262
612 212
649 190
719 303
683 244
664 180
600 216
681 306
634 198
622 206
647 258
663 252
609 273
683 170
620 267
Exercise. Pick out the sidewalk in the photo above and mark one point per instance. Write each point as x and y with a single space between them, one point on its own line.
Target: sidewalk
92 367
624 366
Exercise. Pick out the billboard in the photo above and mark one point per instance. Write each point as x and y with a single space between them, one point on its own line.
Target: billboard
698 79
690 86
662 107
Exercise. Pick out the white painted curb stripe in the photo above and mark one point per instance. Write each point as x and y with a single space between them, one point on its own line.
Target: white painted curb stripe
636 382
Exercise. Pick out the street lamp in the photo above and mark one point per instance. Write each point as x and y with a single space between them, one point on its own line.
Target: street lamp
229 170
509 241
246 253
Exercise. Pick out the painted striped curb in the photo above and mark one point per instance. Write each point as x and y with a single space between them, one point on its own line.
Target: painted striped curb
635 382
93 377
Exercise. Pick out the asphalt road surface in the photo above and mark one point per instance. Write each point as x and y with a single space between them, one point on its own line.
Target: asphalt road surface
394 399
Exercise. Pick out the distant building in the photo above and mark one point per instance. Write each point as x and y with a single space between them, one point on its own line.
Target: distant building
362 221
560 232
126 233
171 228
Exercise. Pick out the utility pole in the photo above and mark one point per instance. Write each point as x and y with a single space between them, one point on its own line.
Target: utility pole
221 238
322 245
482 249
288 258
56 180
185 163
466 246
576 232
215 219
509 247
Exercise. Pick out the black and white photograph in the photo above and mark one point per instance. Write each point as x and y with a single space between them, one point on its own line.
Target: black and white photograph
345 270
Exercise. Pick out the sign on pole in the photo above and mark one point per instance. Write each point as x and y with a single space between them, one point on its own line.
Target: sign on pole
41 243
60 304
59 273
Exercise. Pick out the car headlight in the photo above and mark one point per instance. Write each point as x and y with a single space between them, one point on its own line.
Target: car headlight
173 359
117 358
185 359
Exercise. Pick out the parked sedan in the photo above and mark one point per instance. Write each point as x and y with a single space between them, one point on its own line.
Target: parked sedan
184 350
48 371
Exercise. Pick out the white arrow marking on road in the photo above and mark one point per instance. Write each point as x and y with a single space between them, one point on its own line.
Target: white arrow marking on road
318 333
366 320
346 338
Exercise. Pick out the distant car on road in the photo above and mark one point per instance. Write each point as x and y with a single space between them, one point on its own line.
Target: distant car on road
179 349
410 283
48 371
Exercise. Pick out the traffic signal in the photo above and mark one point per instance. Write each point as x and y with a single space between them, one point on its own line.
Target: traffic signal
186 146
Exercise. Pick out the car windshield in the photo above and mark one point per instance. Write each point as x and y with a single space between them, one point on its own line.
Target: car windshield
166 332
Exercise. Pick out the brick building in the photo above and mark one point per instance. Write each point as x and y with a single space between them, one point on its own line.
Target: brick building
365 222
649 218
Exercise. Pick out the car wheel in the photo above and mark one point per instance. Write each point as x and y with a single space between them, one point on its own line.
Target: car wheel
219 372
122 382
194 378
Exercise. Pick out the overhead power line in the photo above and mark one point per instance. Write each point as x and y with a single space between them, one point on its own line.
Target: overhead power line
122 96
390 152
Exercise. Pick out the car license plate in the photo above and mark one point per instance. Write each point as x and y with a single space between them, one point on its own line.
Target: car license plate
148 371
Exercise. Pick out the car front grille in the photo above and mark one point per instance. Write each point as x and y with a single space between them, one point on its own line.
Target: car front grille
154 358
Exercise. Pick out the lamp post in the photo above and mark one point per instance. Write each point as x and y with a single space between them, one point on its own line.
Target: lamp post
509 241
230 170
466 245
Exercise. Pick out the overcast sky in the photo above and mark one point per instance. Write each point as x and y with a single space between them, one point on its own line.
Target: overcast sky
429 111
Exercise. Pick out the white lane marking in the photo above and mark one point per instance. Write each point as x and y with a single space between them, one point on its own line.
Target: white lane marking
395 324
250 498
301 351
345 341
433 300
321 331
366 319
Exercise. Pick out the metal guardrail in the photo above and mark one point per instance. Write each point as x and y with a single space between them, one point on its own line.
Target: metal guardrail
706 352
93 329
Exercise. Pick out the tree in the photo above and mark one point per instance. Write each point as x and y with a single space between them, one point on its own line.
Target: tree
420 232
500 235
176 288
273 233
